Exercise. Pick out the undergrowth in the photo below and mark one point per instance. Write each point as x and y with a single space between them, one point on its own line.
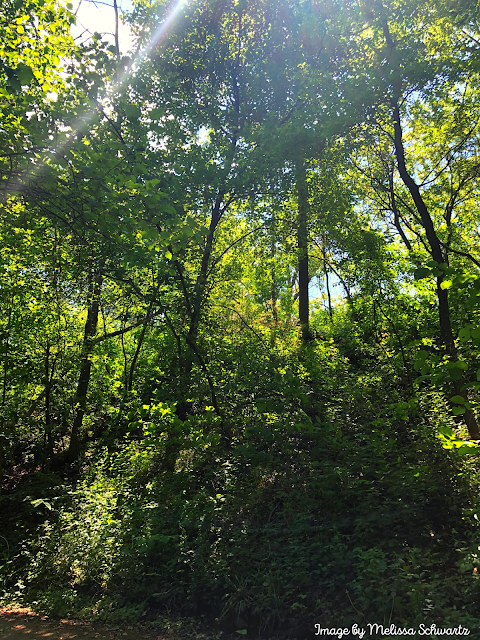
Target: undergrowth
303 521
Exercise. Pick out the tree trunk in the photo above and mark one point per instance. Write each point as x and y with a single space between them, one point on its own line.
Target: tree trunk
115 9
302 245
327 279
48 437
93 305
133 364
193 305
273 275
200 292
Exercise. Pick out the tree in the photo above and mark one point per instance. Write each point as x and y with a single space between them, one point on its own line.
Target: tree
406 64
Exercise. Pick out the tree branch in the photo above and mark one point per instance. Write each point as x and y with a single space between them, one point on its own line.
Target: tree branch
121 332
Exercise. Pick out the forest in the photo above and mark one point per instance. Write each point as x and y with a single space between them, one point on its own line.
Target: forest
240 304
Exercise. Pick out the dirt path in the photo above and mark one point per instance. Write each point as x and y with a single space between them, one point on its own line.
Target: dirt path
21 624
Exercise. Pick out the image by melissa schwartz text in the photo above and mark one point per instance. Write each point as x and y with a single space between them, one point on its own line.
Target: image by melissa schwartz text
378 630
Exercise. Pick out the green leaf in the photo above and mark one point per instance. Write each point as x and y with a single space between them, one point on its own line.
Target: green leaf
446 431
41 501
446 284
157 113
464 334
132 111
458 399
421 272
25 74
420 359
458 411
466 450
458 364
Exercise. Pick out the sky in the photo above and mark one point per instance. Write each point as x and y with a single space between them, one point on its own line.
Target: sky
100 16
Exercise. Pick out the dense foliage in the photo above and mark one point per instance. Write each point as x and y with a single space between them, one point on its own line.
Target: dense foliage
239 340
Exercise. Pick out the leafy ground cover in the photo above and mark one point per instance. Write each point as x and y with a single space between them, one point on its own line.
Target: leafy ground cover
286 529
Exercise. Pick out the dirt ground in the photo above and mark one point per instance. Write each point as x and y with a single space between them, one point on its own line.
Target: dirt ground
22 624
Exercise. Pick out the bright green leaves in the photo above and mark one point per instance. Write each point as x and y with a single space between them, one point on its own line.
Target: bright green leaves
154 421
446 284
441 371
454 279
34 37
33 48
449 440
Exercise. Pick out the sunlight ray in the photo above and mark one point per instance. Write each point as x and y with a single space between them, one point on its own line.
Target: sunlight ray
80 126
157 37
